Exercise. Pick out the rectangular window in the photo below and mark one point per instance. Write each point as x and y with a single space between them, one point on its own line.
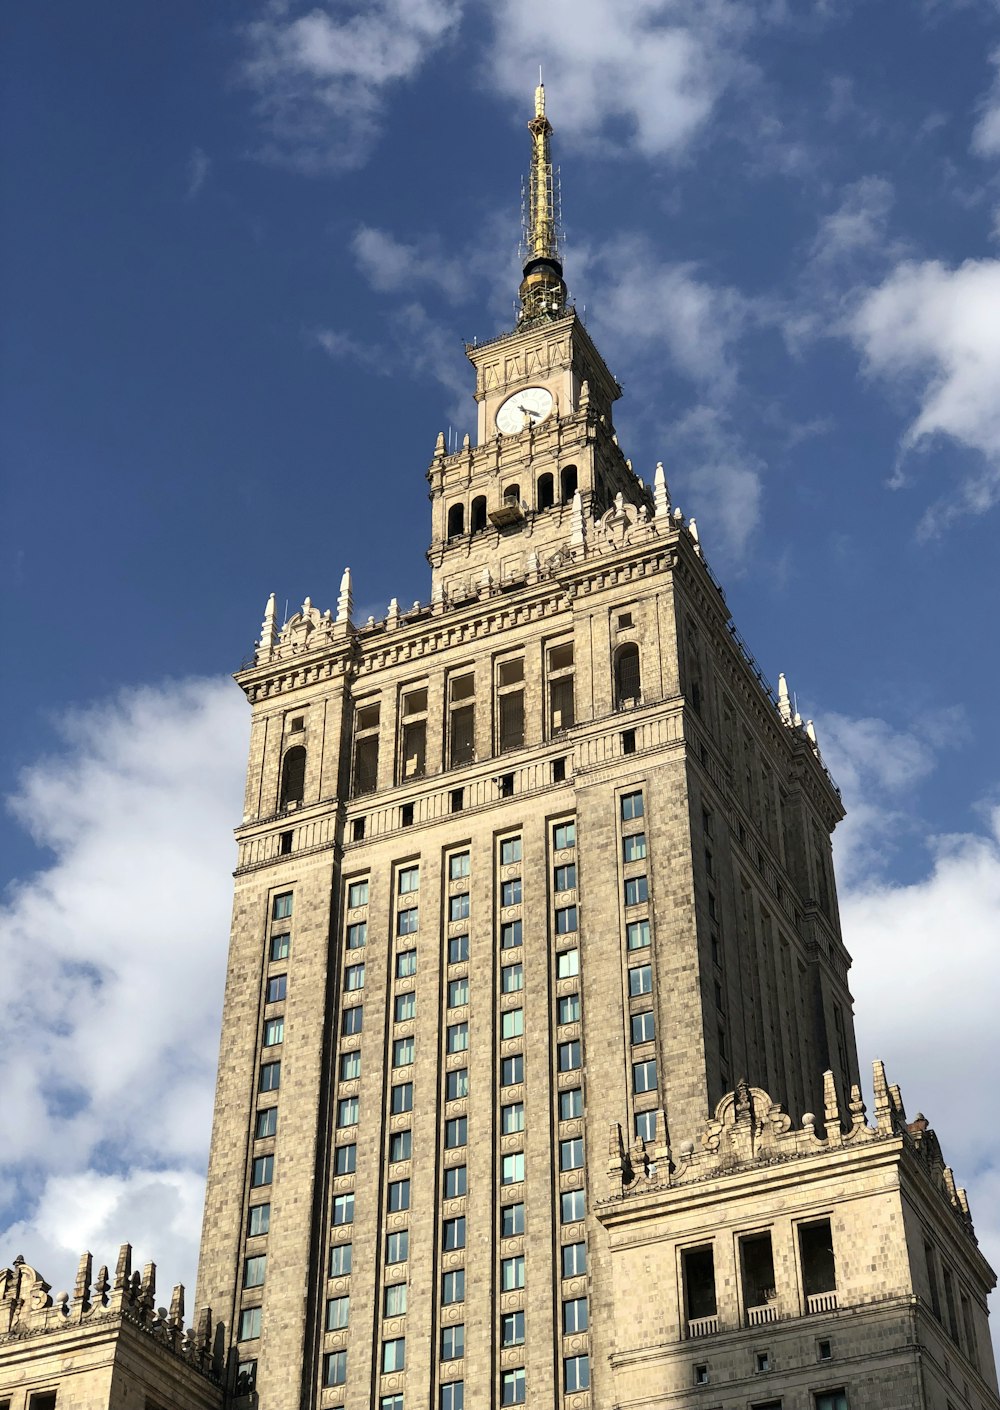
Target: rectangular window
512 1070
636 890
334 1368
340 1260
567 964
281 907
458 906
510 851
569 1056
357 935
408 921
262 1171
400 1145
453 1342
357 895
512 1273
405 1006
512 1118
350 1065
645 1125
512 1329
566 920
394 1301
280 945
399 1196
640 980
458 949
270 1076
644 1076
459 866
456 1084
574 1260
571 1154
456 1132
246 1381
456 1181
572 1206
574 1316
345 1159
511 978
403 1051
453 1396
453 1287
408 880
394 1355
354 978
254 1270
457 1038
632 806
406 964
576 1372
249 1324
510 892
337 1312
570 1103
643 1027
512 1387
397 1246
698 1273
353 1019
831 1400
277 987
569 1008
512 1168
343 1209
634 847
347 1111
564 835
402 1098
274 1032
453 1234
510 935
458 993
512 1023
267 1123
565 877
819 1270
511 1220
259 1221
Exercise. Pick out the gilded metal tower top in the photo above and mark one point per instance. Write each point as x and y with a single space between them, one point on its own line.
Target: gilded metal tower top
542 291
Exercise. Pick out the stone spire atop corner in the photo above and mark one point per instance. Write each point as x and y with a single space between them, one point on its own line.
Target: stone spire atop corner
661 494
784 699
269 627
345 602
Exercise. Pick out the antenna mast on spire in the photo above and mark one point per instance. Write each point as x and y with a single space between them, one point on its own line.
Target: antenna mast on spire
543 292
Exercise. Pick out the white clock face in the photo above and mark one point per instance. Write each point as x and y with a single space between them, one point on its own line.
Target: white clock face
524 409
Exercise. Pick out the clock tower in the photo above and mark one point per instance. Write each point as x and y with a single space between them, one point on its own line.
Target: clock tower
546 447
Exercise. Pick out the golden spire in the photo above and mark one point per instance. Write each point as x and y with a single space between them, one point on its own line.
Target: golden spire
543 293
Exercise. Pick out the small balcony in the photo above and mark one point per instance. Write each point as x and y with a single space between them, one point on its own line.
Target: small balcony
766 1312
702 1327
821 1302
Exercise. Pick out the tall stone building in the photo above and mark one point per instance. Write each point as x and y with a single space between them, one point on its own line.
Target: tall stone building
535 944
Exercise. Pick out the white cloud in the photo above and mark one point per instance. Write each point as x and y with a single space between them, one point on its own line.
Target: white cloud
199 165
321 78
986 133
112 973
390 265
639 74
858 225
722 478
934 332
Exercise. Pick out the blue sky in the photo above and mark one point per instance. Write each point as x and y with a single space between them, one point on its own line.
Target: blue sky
245 246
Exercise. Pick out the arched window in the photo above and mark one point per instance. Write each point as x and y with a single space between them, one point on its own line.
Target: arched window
478 513
568 483
546 492
628 686
512 494
293 776
456 521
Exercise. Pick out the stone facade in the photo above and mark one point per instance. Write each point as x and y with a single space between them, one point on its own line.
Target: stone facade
108 1347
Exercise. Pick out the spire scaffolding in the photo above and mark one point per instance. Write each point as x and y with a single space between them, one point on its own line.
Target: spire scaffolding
542 291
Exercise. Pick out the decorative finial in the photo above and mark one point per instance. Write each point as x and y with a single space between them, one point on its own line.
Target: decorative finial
345 602
784 699
576 522
269 626
661 494
811 734
693 531
439 446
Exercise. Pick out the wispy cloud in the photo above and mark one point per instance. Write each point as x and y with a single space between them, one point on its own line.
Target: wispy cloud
986 133
322 77
112 972
198 167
